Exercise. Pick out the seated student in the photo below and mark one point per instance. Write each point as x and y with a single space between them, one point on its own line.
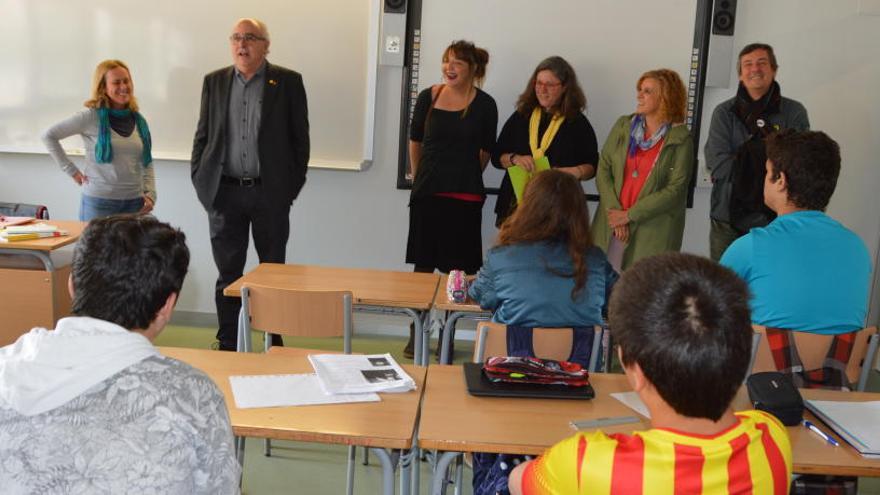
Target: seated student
92 407
684 334
544 270
805 270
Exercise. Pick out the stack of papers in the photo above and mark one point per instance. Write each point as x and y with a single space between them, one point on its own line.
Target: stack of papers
30 232
855 422
338 379
358 374
32 228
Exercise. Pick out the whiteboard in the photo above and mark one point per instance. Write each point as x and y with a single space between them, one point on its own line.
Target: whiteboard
610 43
53 47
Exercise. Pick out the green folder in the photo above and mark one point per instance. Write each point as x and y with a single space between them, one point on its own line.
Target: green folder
519 177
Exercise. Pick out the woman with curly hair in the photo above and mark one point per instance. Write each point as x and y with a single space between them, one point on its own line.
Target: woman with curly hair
548 122
644 170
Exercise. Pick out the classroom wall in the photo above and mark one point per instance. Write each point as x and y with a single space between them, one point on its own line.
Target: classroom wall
169 46
359 219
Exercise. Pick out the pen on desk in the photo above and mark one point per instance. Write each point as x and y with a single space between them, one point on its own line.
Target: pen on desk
602 422
815 429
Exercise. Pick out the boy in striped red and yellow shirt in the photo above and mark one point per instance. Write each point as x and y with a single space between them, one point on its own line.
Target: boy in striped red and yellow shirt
684 332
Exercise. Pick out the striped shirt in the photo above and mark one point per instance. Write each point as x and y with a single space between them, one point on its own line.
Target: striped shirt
751 457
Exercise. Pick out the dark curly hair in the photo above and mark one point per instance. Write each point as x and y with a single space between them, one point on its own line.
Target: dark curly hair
810 161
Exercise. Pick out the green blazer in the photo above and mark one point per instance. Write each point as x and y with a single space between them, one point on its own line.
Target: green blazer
657 219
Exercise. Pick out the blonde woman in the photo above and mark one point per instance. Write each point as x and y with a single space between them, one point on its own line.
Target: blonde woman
117 176
644 170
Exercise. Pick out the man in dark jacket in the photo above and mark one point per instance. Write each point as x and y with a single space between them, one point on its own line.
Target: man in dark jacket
735 152
249 160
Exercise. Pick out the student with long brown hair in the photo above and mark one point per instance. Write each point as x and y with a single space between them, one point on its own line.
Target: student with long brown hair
544 270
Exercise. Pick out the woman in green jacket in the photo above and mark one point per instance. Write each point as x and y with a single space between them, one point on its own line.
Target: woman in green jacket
644 170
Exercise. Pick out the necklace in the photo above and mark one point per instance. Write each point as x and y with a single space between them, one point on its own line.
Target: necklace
640 160
635 172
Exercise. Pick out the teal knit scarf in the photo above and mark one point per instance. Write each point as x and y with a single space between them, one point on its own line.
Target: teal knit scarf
103 149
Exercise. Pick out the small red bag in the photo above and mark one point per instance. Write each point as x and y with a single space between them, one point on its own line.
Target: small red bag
513 369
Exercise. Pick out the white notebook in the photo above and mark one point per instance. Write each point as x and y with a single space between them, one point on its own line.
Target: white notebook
252 391
856 422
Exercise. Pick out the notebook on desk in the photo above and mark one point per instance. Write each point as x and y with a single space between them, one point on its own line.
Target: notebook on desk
479 385
855 422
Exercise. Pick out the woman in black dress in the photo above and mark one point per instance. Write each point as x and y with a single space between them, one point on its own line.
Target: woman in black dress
548 121
451 138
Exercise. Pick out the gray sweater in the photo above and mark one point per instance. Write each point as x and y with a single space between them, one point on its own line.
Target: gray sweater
124 178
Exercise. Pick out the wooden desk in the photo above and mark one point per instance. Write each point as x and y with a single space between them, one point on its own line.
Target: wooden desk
384 291
453 420
389 424
455 311
35 296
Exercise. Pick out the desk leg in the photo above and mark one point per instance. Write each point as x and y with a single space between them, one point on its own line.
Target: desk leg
387 470
459 474
427 329
449 331
409 460
413 461
438 484
418 356
349 471
238 442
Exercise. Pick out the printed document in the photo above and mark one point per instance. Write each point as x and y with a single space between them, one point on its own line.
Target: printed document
355 374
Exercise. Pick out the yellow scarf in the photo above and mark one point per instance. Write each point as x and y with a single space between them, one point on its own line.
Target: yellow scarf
549 134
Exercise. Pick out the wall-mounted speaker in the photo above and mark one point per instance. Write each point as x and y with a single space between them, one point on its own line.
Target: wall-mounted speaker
721 53
393 35
395 7
723 17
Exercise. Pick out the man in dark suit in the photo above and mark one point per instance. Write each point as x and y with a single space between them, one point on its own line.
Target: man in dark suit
249 160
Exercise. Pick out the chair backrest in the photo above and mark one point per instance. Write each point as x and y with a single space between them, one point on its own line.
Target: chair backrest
24 210
549 343
812 349
300 313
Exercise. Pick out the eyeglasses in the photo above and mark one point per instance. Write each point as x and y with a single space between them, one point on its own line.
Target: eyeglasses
249 37
540 84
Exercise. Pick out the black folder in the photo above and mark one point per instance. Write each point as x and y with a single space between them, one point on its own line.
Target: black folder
478 384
